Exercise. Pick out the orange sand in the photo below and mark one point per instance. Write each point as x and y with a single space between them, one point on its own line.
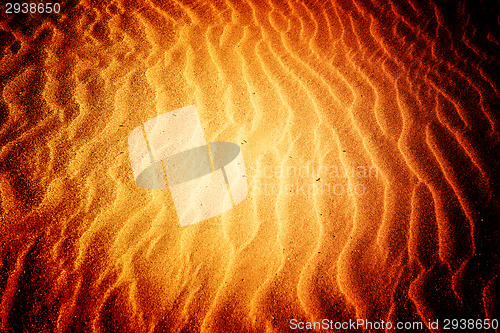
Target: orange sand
406 91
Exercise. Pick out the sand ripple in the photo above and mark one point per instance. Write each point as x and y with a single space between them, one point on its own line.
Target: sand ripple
370 131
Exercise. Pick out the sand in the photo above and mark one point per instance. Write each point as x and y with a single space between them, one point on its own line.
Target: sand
370 134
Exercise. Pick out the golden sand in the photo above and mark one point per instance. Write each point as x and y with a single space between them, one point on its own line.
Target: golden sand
369 134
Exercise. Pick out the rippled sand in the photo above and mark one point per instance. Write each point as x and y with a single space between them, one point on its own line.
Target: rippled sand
370 134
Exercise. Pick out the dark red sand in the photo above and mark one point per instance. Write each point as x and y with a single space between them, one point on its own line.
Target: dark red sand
407 90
